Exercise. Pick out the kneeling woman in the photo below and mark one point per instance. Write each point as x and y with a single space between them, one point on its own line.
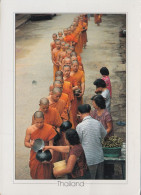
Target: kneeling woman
76 163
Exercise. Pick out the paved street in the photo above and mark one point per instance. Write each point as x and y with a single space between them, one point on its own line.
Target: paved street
34 72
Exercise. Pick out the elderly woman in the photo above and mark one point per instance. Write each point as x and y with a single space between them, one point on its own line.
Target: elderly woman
101 87
101 114
76 163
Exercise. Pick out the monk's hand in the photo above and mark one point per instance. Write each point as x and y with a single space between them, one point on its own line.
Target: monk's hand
57 63
47 162
80 95
31 143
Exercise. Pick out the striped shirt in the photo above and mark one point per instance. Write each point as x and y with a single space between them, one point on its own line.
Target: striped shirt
91 132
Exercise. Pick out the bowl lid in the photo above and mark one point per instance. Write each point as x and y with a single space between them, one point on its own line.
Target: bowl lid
38 145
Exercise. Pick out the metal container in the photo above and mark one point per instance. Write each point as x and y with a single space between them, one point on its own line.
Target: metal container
38 145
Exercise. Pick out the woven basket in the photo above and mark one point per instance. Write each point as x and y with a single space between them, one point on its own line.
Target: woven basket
112 152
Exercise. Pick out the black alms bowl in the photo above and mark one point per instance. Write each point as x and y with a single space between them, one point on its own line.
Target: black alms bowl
77 92
43 155
65 125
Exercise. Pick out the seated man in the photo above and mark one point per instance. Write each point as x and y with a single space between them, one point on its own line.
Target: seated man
39 170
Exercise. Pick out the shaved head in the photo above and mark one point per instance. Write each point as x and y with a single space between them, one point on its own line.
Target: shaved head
75 61
44 101
66 66
59 79
54 34
38 114
68 50
56 90
66 58
73 53
74 58
59 73
57 82
67 45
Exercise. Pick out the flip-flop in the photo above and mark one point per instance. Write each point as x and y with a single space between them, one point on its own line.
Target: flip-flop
120 123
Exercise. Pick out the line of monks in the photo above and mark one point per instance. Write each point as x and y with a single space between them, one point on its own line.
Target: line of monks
65 94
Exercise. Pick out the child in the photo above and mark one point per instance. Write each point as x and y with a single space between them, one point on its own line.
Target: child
105 76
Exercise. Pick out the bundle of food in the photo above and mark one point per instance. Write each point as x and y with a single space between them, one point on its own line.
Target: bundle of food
112 146
112 142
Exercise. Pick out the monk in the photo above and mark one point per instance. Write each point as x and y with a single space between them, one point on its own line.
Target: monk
84 31
65 31
60 34
51 115
74 58
55 53
67 88
77 35
67 77
39 170
74 40
80 78
61 39
59 73
68 38
52 45
64 96
67 46
66 61
98 19
72 80
60 105
61 55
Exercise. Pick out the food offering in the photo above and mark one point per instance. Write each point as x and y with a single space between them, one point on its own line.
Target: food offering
112 146
40 154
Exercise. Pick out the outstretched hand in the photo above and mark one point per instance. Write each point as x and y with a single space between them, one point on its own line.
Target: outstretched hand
45 148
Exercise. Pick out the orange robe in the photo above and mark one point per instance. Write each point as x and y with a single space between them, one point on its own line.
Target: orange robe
84 33
68 39
97 18
51 117
73 110
61 106
77 34
38 170
55 57
52 46
80 63
80 78
67 88
65 97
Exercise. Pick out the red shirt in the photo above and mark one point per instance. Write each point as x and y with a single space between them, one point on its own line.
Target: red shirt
80 167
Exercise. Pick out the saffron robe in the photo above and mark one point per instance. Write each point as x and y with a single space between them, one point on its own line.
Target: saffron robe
61 106
55 57
73 110
38 170
51 117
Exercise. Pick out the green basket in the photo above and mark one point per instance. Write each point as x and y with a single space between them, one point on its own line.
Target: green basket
112 152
